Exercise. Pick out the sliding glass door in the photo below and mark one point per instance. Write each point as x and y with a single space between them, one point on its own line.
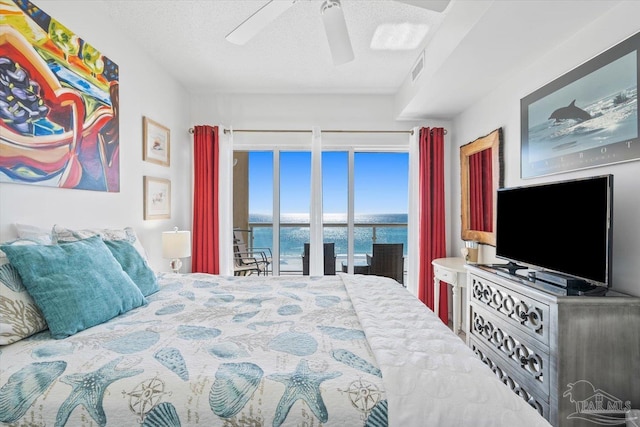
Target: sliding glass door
364 201
380 203
295 205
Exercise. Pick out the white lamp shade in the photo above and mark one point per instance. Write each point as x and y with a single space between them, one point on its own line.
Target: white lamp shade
176 244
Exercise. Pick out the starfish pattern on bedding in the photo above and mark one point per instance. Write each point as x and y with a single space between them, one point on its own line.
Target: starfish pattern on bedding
88 390
303 384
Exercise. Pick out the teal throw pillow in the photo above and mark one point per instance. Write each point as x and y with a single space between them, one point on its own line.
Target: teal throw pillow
134 265
76 285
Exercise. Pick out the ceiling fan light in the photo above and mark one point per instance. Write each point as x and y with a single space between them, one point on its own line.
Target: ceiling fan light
403 36
337 34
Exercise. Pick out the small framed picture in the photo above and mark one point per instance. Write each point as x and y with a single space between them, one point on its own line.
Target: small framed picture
157 142
157 198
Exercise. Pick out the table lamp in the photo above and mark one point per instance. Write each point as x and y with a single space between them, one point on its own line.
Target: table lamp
175 245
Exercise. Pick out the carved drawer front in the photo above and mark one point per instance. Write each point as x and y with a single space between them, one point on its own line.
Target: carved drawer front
530 362
444 275
539 404
527 314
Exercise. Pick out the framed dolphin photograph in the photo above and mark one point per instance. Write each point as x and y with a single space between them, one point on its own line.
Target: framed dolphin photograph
585 118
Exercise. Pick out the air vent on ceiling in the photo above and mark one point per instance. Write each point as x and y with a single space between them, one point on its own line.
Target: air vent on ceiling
417 69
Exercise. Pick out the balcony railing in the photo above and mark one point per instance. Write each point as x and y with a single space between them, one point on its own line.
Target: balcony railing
290 254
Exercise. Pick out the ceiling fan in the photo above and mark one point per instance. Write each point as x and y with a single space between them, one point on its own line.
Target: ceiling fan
332 17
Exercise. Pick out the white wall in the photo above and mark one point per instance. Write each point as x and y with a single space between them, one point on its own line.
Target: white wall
300 111
145 90
502 109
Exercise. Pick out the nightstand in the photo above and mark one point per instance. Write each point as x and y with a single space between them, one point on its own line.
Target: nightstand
453 272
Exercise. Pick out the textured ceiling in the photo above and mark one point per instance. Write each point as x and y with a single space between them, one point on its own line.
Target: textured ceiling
473 47
291 55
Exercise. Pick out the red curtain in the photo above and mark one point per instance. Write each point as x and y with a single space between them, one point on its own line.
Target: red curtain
206 245
432 221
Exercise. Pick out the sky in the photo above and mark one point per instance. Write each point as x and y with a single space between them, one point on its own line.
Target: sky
380 180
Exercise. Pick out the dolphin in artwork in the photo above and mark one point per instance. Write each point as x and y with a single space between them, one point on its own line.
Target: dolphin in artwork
570 112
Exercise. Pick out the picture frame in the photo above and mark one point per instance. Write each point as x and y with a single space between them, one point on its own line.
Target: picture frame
586 118
156 142
157 198
62 127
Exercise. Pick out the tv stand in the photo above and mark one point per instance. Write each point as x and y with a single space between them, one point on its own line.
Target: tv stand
540 339
512 267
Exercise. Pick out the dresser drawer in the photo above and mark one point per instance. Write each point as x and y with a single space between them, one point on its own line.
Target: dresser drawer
520 355
539 403
444 275
526 314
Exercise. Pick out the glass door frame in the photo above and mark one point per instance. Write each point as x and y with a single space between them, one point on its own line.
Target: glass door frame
315 144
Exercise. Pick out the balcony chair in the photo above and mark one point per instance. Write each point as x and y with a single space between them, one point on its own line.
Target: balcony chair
329 259
249 259
387 260
245 265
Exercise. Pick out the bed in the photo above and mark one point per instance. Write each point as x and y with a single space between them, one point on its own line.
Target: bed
344 350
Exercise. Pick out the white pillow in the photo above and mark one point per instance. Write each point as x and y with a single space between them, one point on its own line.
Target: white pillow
40 235
63 234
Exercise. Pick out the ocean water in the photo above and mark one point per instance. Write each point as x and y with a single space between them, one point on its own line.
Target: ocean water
293 238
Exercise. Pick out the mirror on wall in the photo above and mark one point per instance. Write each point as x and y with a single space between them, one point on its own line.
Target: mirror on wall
481 174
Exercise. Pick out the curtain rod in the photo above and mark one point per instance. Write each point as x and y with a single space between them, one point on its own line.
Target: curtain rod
410 132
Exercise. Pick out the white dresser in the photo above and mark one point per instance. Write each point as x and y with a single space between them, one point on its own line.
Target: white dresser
576 359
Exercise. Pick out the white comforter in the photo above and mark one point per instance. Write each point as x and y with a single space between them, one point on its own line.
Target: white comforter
431 377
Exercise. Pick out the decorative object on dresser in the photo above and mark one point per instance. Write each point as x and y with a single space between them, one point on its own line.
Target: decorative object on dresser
561 353
175 245
451 271
470 252
156 142
481 174
586 118
157 198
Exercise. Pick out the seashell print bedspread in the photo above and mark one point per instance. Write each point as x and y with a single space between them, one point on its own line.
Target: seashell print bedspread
206 350
229 351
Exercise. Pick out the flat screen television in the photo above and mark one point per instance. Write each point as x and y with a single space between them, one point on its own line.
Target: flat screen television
561 227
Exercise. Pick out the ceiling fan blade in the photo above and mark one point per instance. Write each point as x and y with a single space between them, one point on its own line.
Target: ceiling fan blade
337 34
256 22
435 5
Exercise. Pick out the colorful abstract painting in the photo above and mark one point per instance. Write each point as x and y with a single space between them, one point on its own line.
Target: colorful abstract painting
58 104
